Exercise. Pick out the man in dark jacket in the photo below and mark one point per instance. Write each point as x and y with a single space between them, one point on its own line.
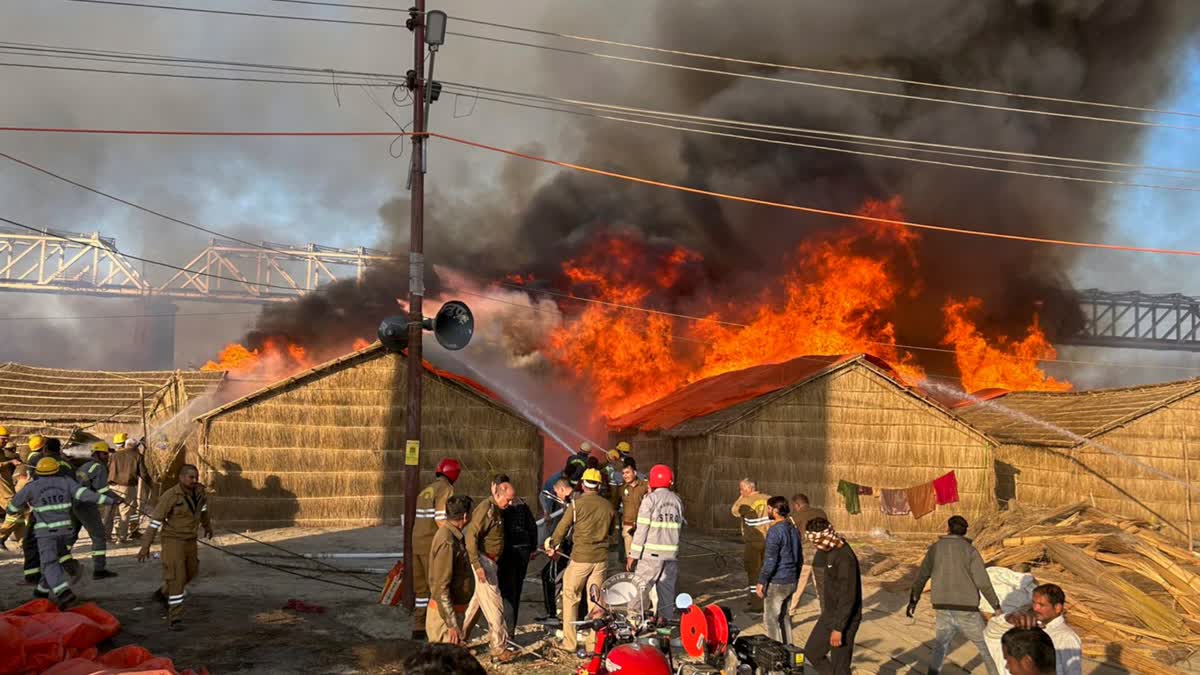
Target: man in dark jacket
959 577
520 543
830 646
782 559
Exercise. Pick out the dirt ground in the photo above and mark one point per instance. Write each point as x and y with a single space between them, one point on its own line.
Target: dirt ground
235 619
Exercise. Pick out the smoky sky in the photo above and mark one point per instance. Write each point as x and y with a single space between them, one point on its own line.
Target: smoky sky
492 217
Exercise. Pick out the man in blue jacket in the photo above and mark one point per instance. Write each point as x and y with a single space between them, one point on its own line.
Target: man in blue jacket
782 560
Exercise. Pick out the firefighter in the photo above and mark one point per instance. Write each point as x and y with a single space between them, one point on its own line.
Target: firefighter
180 511
655 543
485 543
126 467
590 519
552 572
751 510
450 581
3 436
632 491
12 478
50 496
93 475
36 444
431 516
43 448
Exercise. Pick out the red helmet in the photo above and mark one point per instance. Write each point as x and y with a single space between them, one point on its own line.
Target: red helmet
661 476
450 468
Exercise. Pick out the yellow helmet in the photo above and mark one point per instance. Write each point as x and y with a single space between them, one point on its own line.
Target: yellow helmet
47 466
100 446
614 455
3 432
585 447
592 476
36 442
623 447
120 438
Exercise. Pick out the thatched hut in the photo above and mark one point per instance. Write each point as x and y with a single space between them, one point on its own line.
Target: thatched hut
326 447
1127 450
55 402
802 426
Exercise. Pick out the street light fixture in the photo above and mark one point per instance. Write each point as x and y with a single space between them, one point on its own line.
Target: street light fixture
435 29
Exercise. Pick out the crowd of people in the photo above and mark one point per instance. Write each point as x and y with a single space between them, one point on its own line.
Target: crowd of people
50 499
590 508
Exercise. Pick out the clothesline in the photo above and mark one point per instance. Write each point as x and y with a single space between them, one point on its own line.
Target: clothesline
919 500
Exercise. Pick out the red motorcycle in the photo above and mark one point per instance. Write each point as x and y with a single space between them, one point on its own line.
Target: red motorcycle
625 642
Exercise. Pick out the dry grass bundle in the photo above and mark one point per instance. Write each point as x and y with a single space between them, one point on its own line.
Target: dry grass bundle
1133 596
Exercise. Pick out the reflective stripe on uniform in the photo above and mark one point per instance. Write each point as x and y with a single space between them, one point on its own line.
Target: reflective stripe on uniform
155 524
643 520
440 515
635 549
32 571
756 522
665 526
80 491
93 468
52 526
66 558
51 507
61 587
98 554
665 548
104 489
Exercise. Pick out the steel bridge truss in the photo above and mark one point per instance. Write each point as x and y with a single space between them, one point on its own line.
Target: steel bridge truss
1138 320
88 264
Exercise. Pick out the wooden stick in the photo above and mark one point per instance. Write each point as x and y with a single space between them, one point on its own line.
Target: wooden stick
142 395
1187 476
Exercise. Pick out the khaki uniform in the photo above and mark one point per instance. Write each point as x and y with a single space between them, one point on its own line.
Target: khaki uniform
126 467
178 516
590 518
485 543
450 581
431 516
751 510
631 500
14 527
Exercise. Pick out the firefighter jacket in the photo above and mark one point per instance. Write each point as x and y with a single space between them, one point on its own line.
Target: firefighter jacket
126 466
50 499
485 533
431 512
179 513
451 582
592 518
659 523
94 476
632 495
752 511
612 475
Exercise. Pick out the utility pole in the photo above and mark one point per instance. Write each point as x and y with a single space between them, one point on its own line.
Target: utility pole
416 293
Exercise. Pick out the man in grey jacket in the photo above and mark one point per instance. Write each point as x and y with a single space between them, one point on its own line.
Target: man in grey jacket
655 543
959 577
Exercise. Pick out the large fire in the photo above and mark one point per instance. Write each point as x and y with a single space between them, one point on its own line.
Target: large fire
274 360
836 299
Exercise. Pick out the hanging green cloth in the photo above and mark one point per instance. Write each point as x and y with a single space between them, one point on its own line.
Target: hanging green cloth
849 492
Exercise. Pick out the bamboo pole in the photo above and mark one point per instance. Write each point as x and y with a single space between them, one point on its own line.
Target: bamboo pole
142 395
1187 477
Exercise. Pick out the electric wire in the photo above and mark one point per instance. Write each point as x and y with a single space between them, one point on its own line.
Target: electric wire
663 64
389 79
185 76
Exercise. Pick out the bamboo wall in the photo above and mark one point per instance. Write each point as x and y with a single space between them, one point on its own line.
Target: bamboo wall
1061 476
647 449
329 451
853 425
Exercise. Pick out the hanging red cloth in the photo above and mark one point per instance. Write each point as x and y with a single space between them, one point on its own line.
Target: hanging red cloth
946 488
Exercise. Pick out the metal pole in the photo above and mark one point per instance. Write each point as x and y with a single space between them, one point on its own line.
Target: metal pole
416 291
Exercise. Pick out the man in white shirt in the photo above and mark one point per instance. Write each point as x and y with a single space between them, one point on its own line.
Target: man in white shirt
1049 604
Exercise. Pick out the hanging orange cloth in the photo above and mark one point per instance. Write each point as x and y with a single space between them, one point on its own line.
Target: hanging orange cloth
922 500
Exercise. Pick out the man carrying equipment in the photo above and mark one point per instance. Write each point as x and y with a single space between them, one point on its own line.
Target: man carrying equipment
590 519
50 497
180 511
431 516
451 582
655 543
751 510
126 466
93 475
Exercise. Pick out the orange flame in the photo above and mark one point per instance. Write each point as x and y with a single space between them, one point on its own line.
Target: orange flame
274 360
1011 365
837 299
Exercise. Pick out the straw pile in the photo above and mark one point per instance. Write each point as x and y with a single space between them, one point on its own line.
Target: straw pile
1133 596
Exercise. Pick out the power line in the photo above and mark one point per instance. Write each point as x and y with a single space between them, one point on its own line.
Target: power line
85 317
663 64
226 12
113 71
625 177
818 85
806 69
804 132
774 130
863 153
807 209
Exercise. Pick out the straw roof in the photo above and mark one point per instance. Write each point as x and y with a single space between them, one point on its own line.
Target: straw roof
1069 419
328 445
62 398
